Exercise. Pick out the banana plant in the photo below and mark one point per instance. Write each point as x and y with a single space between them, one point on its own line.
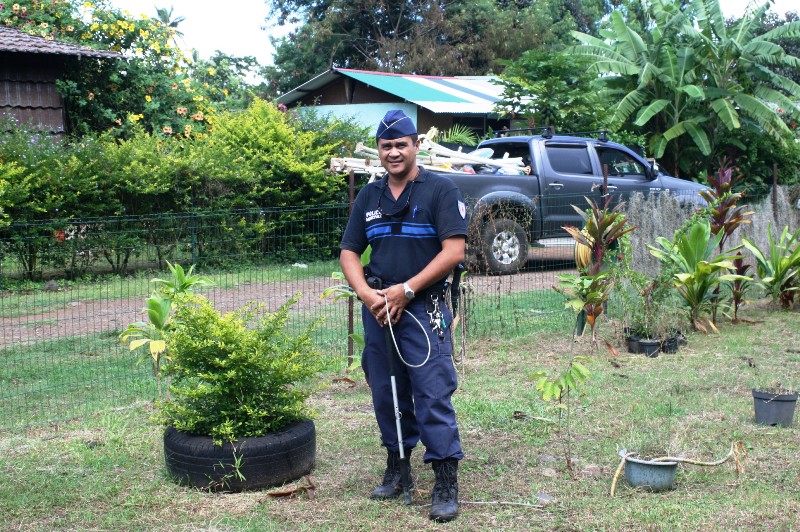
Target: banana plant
779 269
698 269
158 306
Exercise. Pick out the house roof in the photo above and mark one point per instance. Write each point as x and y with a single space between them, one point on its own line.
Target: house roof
15 40
438 94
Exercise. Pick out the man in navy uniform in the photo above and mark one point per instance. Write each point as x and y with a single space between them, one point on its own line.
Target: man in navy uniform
415 223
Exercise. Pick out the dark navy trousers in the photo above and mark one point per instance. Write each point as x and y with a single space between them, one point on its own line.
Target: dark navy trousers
424 394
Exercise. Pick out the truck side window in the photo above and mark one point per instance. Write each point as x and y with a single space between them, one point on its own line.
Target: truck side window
620 163
569 159
514 150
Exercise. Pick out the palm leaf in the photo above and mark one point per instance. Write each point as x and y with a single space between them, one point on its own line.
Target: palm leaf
649 73
790 30
762 113
693 91
726 113
650 111
628 41
628 105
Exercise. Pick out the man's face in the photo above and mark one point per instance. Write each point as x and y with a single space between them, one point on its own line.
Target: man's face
399 156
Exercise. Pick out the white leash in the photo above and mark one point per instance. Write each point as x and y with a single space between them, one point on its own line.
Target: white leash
394 341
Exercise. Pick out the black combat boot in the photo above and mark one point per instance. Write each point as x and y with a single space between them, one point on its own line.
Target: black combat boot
391 487
444 499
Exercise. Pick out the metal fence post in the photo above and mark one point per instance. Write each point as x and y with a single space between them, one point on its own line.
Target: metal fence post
350 303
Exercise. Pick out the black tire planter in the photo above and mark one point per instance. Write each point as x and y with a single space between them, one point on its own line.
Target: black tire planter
774 408
265 461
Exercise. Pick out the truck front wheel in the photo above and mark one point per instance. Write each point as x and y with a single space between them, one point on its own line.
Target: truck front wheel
505 246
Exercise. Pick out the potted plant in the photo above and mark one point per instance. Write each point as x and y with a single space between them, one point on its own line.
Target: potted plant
698 269
649 314
643 459
774 405
235 416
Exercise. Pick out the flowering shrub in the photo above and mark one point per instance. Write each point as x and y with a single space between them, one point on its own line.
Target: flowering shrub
148 87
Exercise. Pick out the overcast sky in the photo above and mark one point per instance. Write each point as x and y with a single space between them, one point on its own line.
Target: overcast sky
234 26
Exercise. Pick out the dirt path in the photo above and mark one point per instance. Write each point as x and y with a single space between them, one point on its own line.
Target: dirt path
79 318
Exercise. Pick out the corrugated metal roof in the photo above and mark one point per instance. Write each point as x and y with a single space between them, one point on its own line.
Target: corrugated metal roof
17 41
439 94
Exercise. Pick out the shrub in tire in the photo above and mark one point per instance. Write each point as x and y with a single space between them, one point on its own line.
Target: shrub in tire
265 461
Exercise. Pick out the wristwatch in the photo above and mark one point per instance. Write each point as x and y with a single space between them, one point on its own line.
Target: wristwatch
409 292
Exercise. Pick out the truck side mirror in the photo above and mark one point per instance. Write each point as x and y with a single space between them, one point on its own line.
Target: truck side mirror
652 171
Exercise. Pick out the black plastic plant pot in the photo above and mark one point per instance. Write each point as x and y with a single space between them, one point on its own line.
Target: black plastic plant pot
649 347
650 476
670 345
774 408
633 344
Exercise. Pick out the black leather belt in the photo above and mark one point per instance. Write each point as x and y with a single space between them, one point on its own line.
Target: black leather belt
437 290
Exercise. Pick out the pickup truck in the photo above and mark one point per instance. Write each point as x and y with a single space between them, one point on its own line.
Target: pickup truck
509 212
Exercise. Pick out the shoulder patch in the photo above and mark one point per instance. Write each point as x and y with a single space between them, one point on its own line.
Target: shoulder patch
462 209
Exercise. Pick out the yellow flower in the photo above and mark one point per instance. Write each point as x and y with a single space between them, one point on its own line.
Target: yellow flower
94 26
181 111
144 34
105 27
148 98
88 5
43 25
167 130
90 96
156 47
197 116
135 118
198 98
186 82
70 28
15 8
212 71
187 130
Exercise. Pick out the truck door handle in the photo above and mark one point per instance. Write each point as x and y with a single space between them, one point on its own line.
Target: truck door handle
556 185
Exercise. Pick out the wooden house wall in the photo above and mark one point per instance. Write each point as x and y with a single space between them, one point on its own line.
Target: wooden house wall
28 90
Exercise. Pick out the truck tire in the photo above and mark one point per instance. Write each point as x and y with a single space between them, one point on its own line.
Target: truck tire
505 246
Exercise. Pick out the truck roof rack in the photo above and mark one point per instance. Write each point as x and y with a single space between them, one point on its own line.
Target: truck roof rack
549 131
602 134
504 132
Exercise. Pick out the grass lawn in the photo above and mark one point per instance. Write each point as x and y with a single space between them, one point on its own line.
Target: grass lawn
106 472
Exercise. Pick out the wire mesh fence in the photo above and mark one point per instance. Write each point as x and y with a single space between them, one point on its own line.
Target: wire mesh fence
69 287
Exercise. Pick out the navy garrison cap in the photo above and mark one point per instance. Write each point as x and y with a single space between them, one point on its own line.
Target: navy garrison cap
395 125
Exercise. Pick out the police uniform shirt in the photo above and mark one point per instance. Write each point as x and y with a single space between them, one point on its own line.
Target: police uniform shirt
403 245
